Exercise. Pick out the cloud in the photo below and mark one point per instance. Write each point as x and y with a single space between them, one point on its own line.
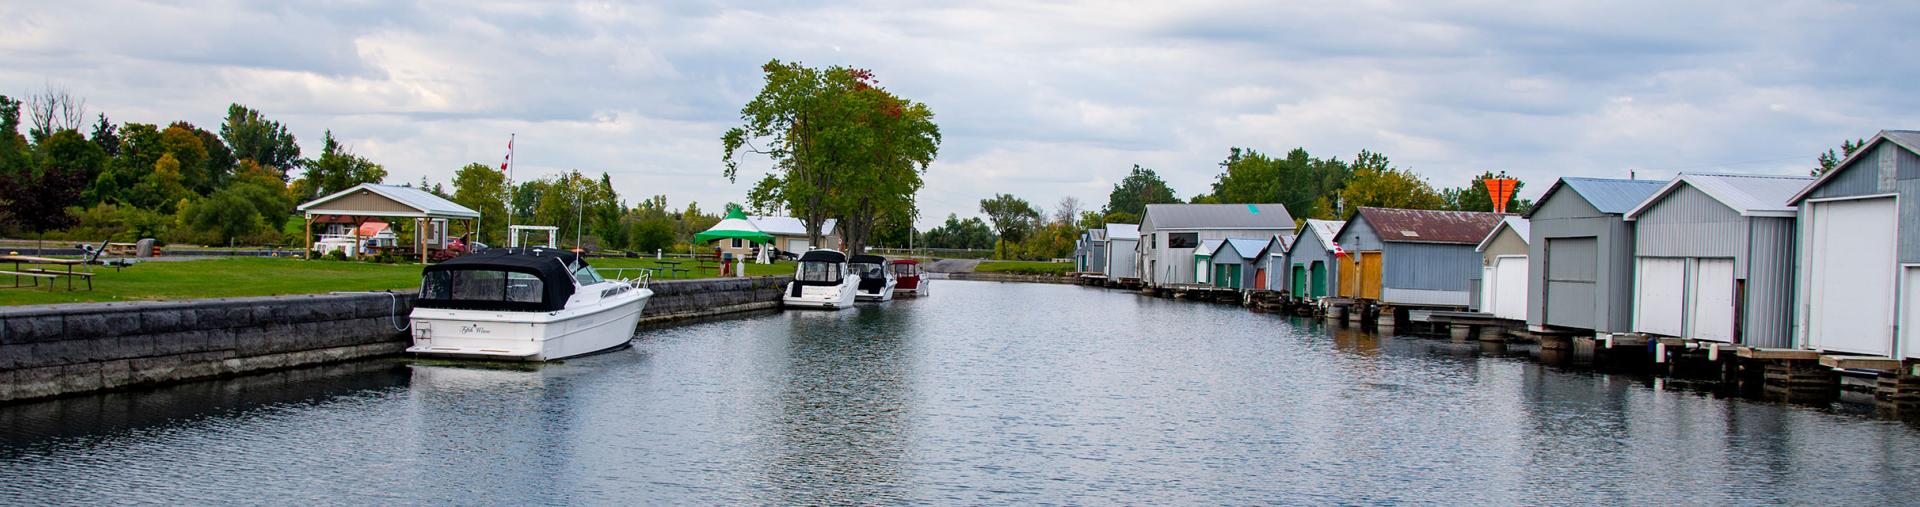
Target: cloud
1040 99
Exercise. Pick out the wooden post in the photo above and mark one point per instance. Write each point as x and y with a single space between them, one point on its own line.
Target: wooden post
306 242
420 236
356 238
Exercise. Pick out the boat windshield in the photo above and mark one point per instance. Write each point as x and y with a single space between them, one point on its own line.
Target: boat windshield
482 285
870 271
904 269
587 276
812 271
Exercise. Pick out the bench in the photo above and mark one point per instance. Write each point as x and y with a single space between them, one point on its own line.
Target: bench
70 274
33 277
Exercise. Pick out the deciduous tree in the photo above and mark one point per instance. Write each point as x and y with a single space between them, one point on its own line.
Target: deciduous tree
1140 188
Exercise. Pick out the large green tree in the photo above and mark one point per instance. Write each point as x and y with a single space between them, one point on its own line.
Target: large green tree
1140 188
253 137
841 147
1377 183
483 188
337 169
972 233
1013 218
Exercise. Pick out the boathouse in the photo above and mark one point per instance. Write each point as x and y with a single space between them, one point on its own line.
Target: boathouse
1859 254
1412 257
1094 260
1502 289
1311 261
1203 260
1122 251
1236 263
1169 234
1713 259
1272 274
1580 255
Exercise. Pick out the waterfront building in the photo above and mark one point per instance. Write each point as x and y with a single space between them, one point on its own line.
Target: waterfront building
1713 259
1203 260
1122 251
1410 257
1502 287
1170 233
789 235
1580 254
1236 263
1311 261
1272 272
1858 271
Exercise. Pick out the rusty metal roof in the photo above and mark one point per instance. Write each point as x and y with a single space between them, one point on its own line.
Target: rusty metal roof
1430 226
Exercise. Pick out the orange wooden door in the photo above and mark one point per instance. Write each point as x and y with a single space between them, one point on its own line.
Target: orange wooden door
1370 264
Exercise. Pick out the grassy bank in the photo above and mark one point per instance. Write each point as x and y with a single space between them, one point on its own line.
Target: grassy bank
1025 267
254 276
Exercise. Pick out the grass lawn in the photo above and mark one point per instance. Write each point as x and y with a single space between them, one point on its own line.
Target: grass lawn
607 267
1025 267
237 277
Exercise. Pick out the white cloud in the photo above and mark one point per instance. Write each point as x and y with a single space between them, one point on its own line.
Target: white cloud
1039 99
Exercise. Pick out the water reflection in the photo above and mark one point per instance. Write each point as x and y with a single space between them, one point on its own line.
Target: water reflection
985 393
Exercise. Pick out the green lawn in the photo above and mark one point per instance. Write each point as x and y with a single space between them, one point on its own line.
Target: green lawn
236 277
1025 267
607 267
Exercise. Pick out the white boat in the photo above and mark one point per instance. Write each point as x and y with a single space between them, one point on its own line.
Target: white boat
876 279
821 281
524 304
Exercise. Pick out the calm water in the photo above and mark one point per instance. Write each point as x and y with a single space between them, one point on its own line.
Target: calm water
984 393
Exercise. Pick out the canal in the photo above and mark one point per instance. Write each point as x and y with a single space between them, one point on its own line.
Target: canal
984 393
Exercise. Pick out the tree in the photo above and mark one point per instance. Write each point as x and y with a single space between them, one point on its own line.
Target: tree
53 111
1476 197
184 144
1829 161
971 233
1013 218
1140 188
107 136
571 201
1068 211
40 196
483 188
255 138
840 144
1378 184
225 216
337 169
163 188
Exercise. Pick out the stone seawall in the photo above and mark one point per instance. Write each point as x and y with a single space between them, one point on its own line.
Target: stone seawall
1010 277
51 350
55 350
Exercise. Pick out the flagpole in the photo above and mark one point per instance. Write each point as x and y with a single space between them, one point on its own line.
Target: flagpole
512 237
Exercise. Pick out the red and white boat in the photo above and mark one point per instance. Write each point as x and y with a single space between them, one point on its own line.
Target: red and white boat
908 280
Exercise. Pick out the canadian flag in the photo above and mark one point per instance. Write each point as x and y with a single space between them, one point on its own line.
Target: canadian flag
509 160
1337 251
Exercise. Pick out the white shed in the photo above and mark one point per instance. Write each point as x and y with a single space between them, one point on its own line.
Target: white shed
1503 270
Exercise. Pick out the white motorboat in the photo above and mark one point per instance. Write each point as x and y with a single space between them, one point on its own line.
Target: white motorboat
876 280
526 304
821 281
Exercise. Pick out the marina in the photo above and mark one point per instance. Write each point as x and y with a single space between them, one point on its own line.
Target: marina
965 398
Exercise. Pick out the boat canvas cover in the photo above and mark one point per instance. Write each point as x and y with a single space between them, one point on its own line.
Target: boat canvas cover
820 256
548 265
872 278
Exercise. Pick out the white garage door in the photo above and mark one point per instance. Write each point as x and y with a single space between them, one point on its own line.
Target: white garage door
1510 282
1710 300
1851 274
1660 294
798 245
1910 323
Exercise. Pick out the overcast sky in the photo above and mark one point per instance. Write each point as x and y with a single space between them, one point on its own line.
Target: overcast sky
1039 99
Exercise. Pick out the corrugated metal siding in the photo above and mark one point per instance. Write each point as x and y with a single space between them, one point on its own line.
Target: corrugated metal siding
1507 243
1358 235
1768 315
1909 235
1121 257
1571 266
1428 266
1566 204
1689 223
1097 261
1862 177
1566 215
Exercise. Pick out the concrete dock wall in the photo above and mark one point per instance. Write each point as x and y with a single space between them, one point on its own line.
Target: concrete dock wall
55 350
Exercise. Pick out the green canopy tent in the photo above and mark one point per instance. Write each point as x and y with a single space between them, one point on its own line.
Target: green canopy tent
734 226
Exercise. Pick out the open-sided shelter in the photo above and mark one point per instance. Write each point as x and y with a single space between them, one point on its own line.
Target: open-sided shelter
368 202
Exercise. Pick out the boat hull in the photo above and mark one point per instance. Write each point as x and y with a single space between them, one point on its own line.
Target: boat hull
821 297
911 290
885 293
527 336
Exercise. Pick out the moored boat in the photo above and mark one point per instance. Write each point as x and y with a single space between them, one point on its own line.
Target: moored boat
821 280
907 279
876 278
527 304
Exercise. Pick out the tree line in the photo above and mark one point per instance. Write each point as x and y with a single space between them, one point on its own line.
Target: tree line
239 184
1309 186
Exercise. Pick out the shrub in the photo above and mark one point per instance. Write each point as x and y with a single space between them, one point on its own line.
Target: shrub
337 255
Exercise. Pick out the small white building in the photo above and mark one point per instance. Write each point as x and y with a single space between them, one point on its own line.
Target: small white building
1503 270
1122 252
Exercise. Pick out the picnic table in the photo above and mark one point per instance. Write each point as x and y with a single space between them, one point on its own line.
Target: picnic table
35 274
673 268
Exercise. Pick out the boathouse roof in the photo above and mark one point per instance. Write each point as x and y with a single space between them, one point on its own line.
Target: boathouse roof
1219 216
1609 195
1906 139
1325 229
1123 232
1748 194
1430 226
1520 226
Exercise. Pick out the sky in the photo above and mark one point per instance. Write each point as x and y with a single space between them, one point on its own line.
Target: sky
1043 100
